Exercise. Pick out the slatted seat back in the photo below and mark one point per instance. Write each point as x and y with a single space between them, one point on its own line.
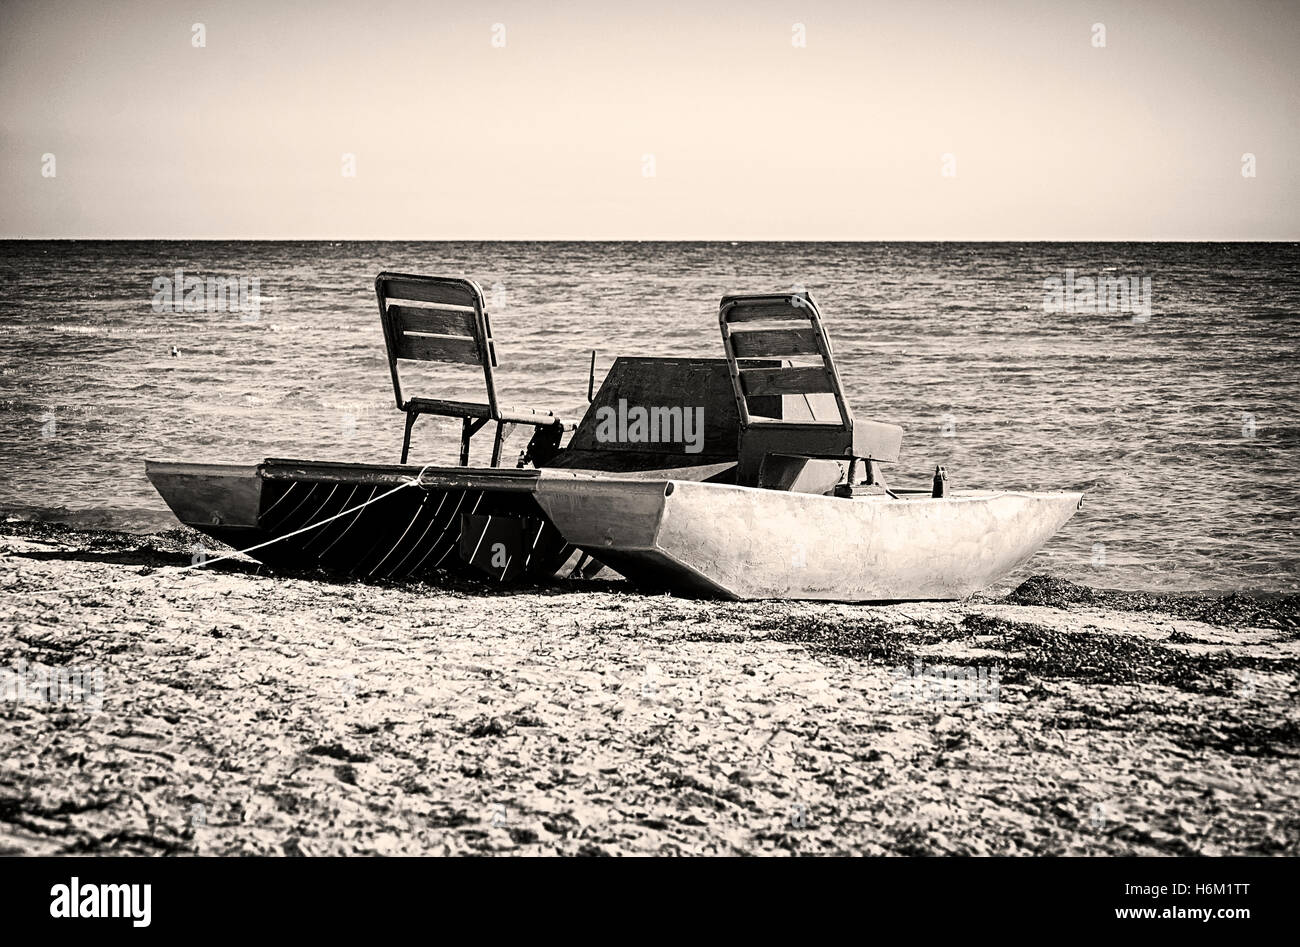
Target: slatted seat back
435 319
787 327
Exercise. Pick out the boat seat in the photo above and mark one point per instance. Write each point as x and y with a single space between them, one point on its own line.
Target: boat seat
789 327
445 319
469 409
873 440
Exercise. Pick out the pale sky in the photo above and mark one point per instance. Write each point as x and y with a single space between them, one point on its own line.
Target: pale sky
752 137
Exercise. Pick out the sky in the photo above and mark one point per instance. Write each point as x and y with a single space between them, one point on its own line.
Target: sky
669 120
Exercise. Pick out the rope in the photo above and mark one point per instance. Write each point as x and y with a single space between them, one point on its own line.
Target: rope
416 481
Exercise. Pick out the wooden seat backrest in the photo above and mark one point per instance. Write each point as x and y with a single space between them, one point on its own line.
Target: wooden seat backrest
435 319
779 326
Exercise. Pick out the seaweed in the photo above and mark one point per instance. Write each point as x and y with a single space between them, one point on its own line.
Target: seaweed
1233 610
1107 657
862 639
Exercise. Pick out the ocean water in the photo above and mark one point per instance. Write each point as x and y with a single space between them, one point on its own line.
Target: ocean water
1179 418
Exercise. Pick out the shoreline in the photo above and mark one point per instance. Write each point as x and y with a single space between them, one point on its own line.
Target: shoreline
248 712
169 536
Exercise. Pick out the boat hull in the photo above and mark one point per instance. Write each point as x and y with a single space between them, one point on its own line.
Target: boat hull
683 535
746 543
287 514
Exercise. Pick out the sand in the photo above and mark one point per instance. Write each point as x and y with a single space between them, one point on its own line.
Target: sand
241 712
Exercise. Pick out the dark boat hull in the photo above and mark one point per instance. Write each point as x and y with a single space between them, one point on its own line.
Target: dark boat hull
370 521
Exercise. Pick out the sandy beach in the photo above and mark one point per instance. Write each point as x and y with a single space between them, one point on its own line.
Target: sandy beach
230 711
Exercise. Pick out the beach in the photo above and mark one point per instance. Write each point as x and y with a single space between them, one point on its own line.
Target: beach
229 710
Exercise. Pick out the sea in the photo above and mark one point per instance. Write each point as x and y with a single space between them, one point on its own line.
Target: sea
1160 378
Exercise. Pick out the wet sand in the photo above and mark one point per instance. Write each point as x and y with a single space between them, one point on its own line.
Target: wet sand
248 713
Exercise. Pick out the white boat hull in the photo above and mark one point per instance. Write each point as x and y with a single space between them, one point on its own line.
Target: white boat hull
747 543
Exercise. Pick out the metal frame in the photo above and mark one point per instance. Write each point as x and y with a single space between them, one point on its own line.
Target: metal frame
821 439
487 358
794 301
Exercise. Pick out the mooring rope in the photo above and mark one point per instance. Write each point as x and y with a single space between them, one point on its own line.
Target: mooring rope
416 481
